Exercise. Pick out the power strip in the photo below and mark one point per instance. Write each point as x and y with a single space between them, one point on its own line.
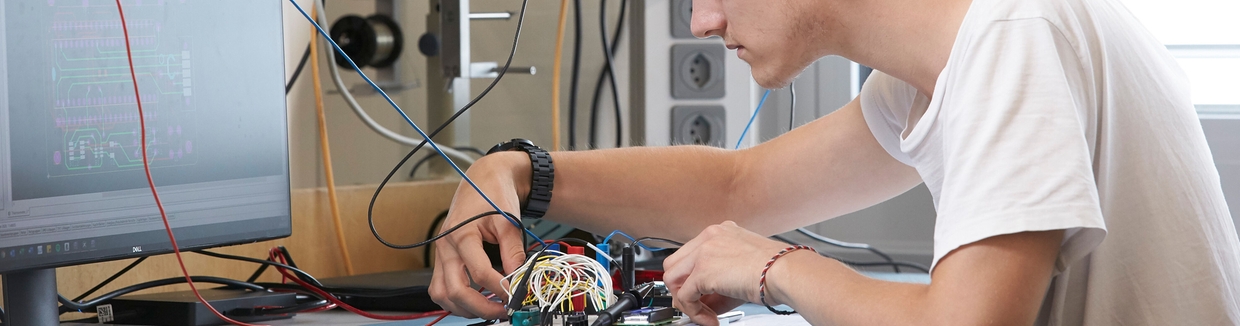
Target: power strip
685 90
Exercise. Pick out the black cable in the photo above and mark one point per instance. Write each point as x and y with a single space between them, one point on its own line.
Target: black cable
428 157
72 305
638 242
606 73
288 258
792 109
916 266
430 232
575 77
370 218
347 292
445 233
309 279
288 87
110 279
278 311
258 272
841 244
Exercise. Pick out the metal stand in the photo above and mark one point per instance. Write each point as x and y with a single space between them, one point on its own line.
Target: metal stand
450 69
30 298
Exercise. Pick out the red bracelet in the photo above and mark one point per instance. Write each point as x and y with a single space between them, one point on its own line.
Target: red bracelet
762 281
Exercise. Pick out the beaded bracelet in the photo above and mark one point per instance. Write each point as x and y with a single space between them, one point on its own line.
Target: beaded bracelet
762 281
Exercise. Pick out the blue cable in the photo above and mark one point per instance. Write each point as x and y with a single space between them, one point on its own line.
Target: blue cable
410 121
626 235
751 118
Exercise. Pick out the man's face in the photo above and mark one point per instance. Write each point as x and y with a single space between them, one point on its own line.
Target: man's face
771 36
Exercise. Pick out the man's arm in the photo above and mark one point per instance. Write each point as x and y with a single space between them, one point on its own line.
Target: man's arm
1000 280
824 169
821 170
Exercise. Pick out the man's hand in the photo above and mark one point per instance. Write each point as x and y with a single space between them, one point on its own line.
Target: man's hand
459 257
717 270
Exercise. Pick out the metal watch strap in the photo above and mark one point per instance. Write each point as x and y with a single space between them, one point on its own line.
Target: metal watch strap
542 178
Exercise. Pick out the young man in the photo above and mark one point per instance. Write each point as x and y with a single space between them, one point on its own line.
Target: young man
1070 174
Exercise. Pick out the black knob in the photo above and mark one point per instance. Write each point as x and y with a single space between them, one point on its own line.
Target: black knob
429 44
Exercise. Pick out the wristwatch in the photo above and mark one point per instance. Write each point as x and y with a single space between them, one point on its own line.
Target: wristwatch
542 178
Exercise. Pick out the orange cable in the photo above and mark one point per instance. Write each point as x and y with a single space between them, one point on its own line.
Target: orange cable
327 153
555 77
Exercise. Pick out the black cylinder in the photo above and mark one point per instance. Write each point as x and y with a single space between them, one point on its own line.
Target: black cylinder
628 277
374 41
30 298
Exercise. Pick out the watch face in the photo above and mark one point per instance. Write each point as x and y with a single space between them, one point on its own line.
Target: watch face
523 141
510 145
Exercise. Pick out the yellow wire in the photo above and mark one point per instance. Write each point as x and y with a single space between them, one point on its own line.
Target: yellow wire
327 153
555 77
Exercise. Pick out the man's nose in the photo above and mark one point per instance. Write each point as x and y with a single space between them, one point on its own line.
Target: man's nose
708 19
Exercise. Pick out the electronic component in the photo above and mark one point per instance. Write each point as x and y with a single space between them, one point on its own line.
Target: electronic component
182 308
551 280
577 319
648 316
528 316
412 285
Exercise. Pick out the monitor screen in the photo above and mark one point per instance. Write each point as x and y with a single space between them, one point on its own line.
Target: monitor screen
211 77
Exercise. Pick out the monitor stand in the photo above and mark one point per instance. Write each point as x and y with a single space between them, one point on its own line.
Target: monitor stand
30 298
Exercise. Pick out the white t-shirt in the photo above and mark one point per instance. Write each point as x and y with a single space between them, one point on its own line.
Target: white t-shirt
1068 114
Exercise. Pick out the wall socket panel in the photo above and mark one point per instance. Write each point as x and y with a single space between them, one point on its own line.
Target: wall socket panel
699 125
682 18
675 75
698 71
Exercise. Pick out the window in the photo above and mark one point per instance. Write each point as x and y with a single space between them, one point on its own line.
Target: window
1205 36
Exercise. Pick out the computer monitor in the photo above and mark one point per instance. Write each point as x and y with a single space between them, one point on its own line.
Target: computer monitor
72 188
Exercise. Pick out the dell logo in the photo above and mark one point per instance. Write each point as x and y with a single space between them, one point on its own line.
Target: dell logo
137 249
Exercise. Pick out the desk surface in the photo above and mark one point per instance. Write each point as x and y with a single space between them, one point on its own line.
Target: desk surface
344 318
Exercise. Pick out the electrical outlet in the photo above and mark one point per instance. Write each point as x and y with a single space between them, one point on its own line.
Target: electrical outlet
682 16
699 125
698 71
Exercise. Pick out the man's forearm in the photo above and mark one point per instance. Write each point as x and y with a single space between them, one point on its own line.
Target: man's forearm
999 280
827 292
824 169
670 192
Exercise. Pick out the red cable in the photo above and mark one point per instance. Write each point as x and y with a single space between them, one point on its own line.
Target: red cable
324 294
441 317
146 166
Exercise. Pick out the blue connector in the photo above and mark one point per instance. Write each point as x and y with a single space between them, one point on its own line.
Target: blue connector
602 255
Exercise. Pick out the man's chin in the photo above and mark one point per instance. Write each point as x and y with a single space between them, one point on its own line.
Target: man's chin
771 76
773 81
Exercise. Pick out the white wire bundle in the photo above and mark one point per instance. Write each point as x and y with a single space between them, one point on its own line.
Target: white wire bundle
558 277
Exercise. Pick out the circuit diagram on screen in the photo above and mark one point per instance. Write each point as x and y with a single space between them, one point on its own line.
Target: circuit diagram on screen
93 117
